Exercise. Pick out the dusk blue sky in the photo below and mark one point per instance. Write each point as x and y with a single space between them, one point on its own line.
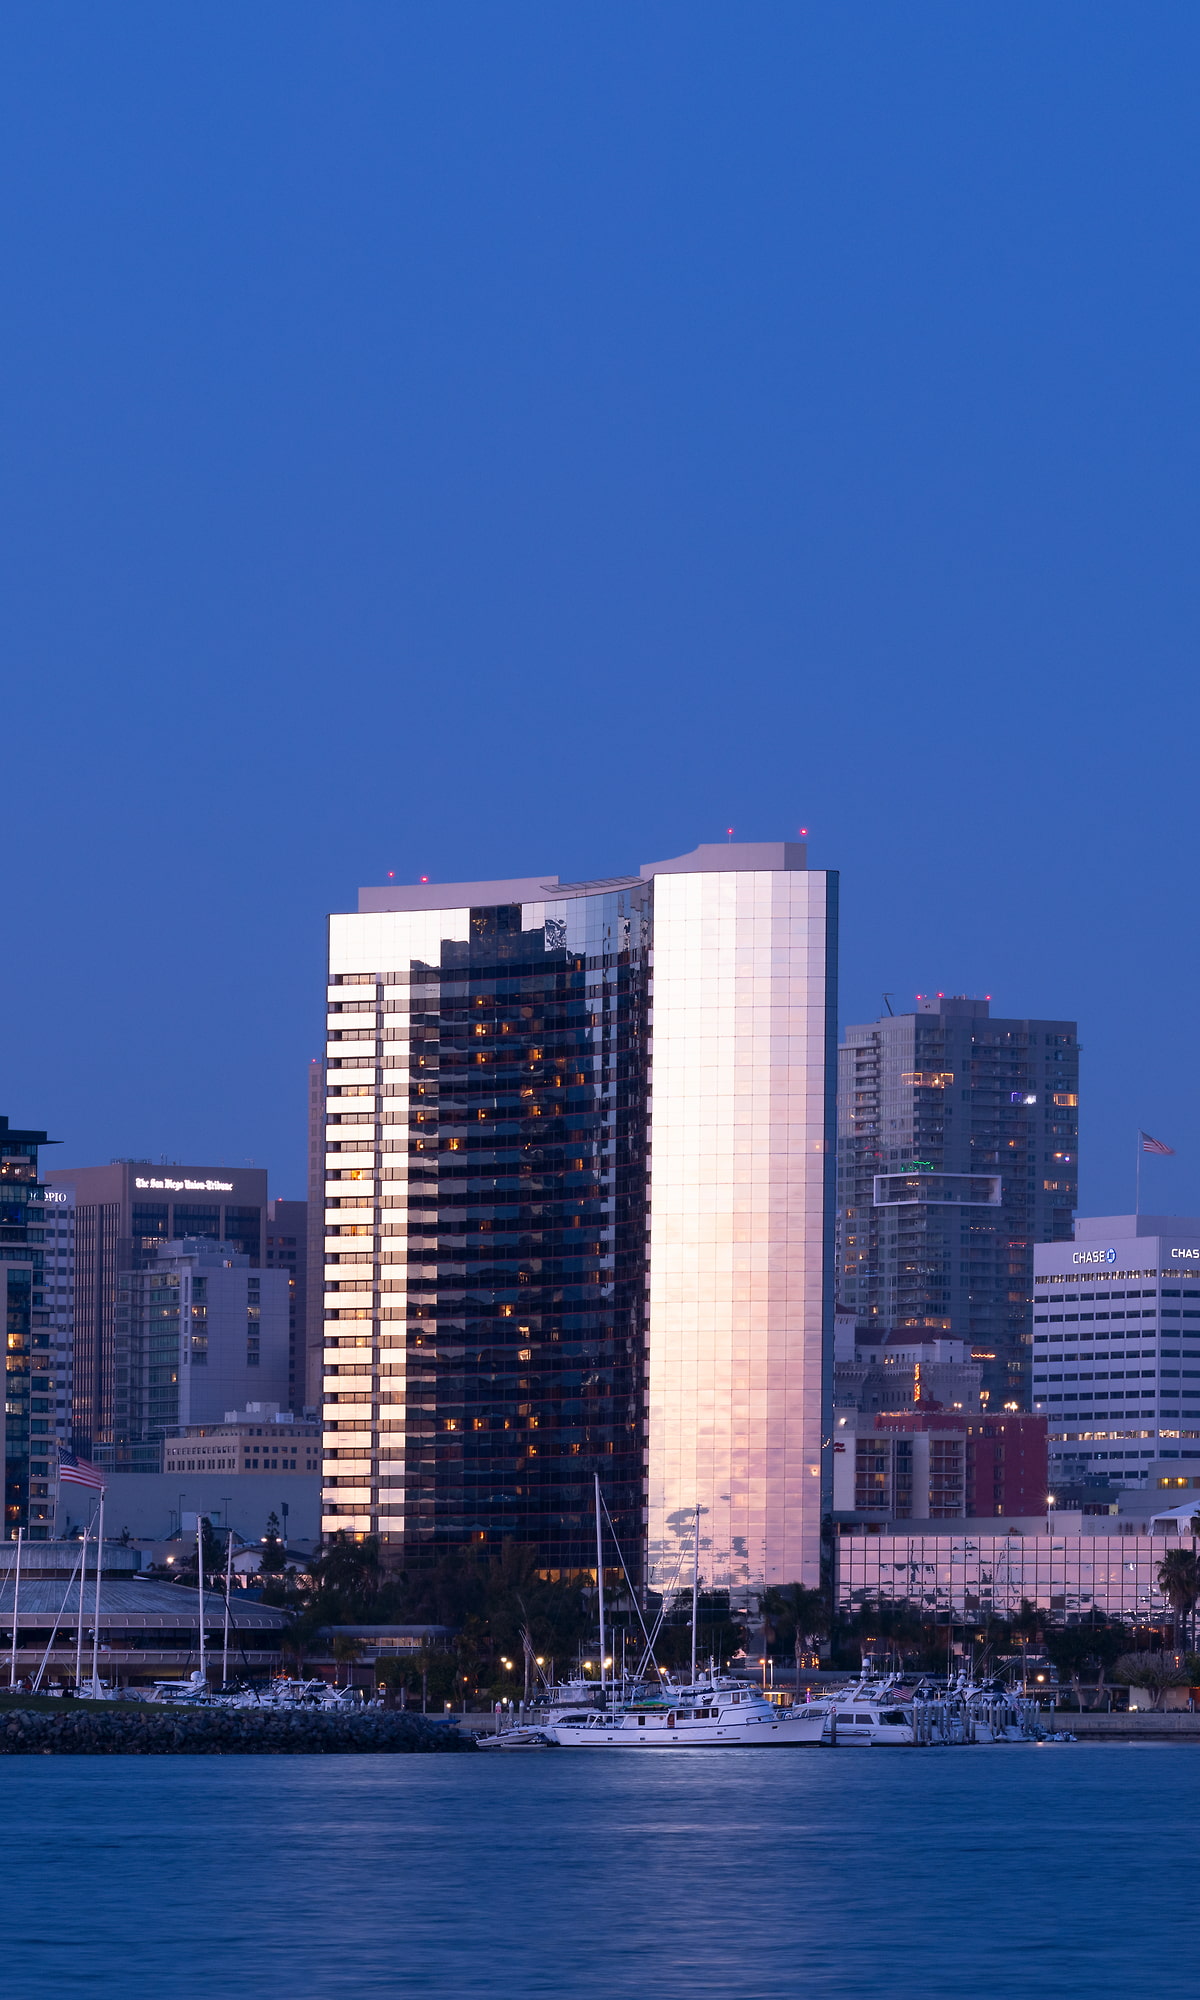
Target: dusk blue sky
480 440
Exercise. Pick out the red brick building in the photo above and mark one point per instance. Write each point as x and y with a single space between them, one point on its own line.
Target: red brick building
935 1464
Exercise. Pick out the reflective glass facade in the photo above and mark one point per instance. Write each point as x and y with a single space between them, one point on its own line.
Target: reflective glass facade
742 1063
33 1366
578 1144
1071 1574
486 1161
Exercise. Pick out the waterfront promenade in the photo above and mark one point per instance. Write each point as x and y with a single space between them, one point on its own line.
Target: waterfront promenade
1138 1725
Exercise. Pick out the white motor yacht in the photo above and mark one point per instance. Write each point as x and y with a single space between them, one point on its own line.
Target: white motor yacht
857 1719
717 1715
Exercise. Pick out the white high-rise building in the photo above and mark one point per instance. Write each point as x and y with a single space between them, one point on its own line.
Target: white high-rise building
1116 1346
578 1176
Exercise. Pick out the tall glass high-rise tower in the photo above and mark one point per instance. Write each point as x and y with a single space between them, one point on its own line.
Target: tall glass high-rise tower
958 1150
578 1176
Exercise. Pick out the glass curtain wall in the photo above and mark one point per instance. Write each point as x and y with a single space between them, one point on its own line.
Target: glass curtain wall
743 1051
486 1176
975 1575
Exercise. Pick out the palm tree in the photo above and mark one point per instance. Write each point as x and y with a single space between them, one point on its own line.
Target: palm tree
295 1647
348 1573
1179 1581
1026 1626
794 1607
346 1650
300 1638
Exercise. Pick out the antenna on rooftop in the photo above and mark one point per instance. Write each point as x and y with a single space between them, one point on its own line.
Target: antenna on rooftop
887 1001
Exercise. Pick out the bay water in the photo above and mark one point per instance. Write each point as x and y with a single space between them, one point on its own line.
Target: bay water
1058 1870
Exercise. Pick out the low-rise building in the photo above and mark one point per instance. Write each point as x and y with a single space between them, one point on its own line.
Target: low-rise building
260 1438
891 1368
147 1630
377 1646
1071 1566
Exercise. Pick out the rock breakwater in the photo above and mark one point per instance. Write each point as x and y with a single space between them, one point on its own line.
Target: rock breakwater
218 1732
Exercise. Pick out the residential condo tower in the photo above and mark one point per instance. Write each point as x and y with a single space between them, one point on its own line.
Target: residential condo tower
579 1214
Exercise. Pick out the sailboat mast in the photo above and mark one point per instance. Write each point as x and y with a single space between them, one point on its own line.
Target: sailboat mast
200 1582
228 1582
695 1589
12 1669
96 1607
600 1579
79 1609
62 1612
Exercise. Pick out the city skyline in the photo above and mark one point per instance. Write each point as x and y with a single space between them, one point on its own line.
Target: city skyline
473 1287
1115 1168
862 488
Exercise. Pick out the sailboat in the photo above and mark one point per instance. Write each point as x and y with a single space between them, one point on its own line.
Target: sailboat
713 1712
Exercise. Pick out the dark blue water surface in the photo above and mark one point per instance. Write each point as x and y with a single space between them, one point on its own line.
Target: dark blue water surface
1040 1871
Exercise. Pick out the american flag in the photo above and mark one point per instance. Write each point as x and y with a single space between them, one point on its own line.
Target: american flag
1150 1145
78 1470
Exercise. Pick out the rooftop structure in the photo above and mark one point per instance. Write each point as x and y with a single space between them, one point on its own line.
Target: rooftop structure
887 1368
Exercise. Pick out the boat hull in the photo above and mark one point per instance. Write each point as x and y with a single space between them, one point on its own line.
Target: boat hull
685 1735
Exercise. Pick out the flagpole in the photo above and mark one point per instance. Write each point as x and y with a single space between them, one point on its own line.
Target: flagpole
96 1613
12 1669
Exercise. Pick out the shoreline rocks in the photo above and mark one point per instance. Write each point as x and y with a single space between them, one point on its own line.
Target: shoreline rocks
220 1732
